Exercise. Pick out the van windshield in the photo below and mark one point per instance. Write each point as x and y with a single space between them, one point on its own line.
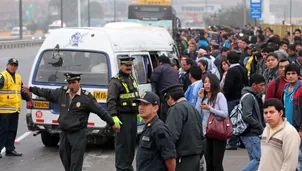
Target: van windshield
92 65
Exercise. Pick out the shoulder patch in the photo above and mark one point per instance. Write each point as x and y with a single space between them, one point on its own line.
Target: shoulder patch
86 92
65 87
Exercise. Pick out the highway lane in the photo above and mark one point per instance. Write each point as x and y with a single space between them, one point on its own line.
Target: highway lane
39 158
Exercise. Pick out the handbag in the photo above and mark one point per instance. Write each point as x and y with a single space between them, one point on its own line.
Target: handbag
220 129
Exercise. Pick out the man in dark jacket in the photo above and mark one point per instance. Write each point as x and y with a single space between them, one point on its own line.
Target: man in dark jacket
236 78
252 115
75 106
184 79
185 125
162 77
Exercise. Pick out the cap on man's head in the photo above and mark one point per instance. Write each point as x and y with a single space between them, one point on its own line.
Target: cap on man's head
172 89
149 97
72 76
13 61
126 59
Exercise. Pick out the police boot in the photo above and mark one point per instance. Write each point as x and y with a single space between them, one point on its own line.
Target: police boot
13 153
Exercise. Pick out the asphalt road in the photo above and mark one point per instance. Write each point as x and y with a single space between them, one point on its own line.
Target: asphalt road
36 157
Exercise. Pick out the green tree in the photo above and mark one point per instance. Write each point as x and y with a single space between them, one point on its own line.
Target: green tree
230 17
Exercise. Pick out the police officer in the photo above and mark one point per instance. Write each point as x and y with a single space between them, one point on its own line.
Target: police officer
184 123
122 93
10 105
75 106
156 150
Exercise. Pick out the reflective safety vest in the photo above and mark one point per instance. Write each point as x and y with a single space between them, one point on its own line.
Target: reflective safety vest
10 93
127 98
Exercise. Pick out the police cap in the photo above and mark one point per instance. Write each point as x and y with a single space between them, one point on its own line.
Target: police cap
172 89
13 61
125 59
149 97
72 76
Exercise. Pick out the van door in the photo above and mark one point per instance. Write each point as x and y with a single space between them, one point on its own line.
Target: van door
142 70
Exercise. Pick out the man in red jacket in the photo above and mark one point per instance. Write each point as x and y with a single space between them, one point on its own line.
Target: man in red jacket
275 87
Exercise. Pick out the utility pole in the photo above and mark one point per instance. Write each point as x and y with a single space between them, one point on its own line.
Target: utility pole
114 10
206 7
88 6
61 9
20 20
244 12
79 13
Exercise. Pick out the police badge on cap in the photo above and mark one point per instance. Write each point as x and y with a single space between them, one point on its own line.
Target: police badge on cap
127 60
72 76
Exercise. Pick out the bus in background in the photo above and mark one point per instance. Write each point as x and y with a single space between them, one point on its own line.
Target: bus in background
154 13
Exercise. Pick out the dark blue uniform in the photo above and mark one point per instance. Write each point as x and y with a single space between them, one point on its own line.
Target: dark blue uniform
155 146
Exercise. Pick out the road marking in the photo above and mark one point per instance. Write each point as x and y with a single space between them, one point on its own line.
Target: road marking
18 140
22 137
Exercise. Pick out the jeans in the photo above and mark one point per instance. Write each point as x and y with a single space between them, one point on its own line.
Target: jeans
234 140
300 159
252 145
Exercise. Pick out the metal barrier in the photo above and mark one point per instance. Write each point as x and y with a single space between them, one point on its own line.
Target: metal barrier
19 43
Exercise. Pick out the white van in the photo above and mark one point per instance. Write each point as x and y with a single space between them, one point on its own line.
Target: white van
155 29
94 52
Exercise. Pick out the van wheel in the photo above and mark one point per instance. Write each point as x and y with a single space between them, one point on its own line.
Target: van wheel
49 140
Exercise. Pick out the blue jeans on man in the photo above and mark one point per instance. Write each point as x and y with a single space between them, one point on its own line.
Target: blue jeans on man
300 159
252 145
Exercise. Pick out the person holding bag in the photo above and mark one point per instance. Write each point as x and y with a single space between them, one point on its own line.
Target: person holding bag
212 102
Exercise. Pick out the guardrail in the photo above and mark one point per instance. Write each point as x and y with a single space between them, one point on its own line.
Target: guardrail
11 38
19 43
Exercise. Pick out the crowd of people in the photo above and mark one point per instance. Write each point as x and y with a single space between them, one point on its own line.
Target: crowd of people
253 71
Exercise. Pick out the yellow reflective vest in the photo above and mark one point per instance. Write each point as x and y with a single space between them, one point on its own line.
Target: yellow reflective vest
10 94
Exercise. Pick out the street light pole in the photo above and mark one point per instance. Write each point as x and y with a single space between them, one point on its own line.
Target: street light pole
88 6
20 20
61 9
114 10
290 11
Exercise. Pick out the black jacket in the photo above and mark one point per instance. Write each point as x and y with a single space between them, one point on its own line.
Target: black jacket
155 146
115 89
236 78
73 116
185 125
252 113
163 76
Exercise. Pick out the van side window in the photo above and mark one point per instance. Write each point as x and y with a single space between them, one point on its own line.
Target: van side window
143 69
154 58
